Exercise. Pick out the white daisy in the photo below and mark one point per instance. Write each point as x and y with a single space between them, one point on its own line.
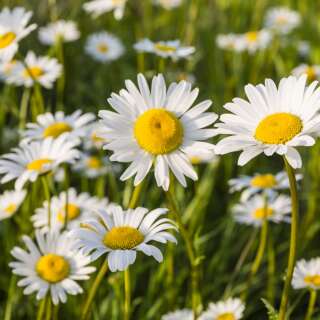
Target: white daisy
231 41
253 41
282 19
13 28
43 70
312 71
120 234
257 183
274 121
99 7
66 31
104 47
307 274
201 157
231 309
51 266
184 314
54 125
29 161
92 166
6 68
254 210
157 127
10 202
80 207
165 49
92 138
168 4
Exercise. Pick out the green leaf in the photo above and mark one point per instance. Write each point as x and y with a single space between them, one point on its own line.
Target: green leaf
272 312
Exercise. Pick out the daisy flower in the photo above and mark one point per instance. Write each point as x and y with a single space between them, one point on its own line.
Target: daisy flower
184 314
120 234
254 211
99 7
13 28
67 31
6 68
50 125
273 121
231 41
10 202
157 127
92 138
43 70
253 41
80 207
199 157
307 274
266 183
104 47
231 309
312 71
50 265
165 49
168 4
29 161
282 19
92 166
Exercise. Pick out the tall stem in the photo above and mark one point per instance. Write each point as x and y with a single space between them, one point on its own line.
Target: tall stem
9 304
127 294
312 302
42 307
293 240
135 196
47 195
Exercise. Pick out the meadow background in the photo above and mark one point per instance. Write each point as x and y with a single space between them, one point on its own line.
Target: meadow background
226 248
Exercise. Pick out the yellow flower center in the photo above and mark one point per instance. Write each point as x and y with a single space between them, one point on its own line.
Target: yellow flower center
53 268
123 238
252 36
311 73
226 316
263 213
56 129
10 209
195 160
278 128
313 280
264 181
165 48
94 163
103 48
38 165
6 39
281 20
33 72
72 210
158 131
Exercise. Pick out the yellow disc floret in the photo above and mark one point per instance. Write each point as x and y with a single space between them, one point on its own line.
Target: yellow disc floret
158 131
10 208
72 210
252 36
53 268
6 39
38 165
226 316
102 48
164 48
94 163
263 213
33 72
313 280
56 129
264 181
278 128
123 238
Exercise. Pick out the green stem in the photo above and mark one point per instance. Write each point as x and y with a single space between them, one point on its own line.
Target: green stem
48 309
271 269
24 108
127 294
312 302
42 307
293 240
61 81
135 196
66 186
47 196
9 304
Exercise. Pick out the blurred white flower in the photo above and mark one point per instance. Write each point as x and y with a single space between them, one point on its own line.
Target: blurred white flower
168 4
184 314
202 157
306 274
6 68
231 41
303 48
253 41
10 202
92 166
312 71
99 7
92 138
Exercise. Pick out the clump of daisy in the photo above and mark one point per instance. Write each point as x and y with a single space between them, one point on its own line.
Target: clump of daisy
50 125
168 4
307 274
13 28
312 71
92 166
231 42
50 265
121 234
31 160
165 49
230 309
67 206
10 202
42 70
99 7
253 41
255 210
282 19
157 127
273 121
62 30
104 47
183 314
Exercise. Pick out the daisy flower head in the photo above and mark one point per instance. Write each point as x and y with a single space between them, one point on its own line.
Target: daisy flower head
282 19
31 160
120 234
104 47
273 121
231 309
168 4
183 314
10 202
164 49
231 42
65 31
99 7
253 41
72 206
255 210
312 71
13 28
42 70
6 68
50 265
157 127
92 166
201 157
50 125
92 139
306 274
